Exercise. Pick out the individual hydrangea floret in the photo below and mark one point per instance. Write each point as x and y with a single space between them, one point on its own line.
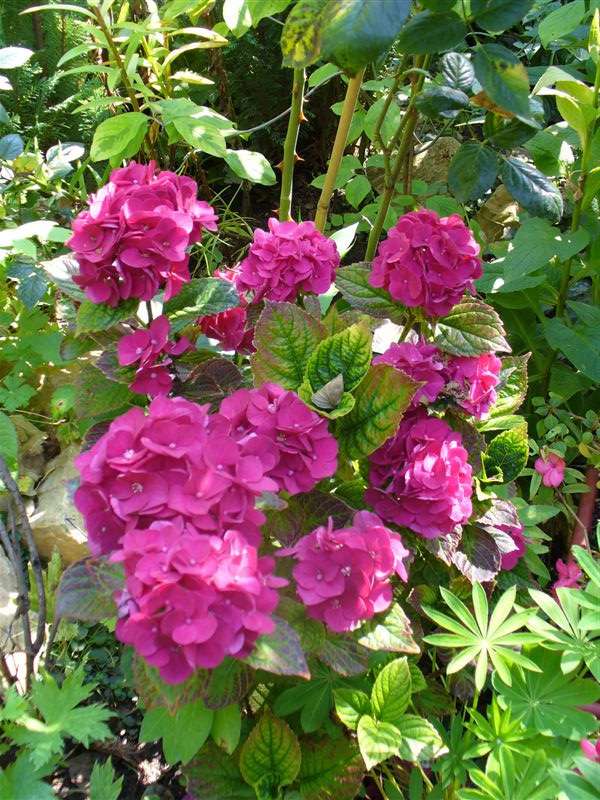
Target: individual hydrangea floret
229 327
552 469
343 576
134 238
148 348
191 600
511 559
422 477
303 450
427 261
420 361
176 461
475 380
288 259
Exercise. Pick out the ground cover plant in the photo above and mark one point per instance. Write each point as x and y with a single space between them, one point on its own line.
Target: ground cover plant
301 503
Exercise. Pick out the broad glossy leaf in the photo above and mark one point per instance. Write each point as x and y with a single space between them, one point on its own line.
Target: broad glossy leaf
182 733
227 684
96 395
471 328
303 514
330 768
507 454
285 338
381 399
477 555
419 739
227 727
391 692
11 147
353 283
561 21
512 386
251 166
441 101
155 693
344 656
119 137
302 32
85 591
457 70
578 343
350 705
200 298
212 774
377 740
347 353
498 15
389 631
432 32
503 78
279 652
538 195
92 317
472 171
272 750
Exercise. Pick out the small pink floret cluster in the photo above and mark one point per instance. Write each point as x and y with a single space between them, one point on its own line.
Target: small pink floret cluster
421 477
303 450
422 362
191 600
134 238
150 349
288 259
476 379
552 469
511 559
342 576
428 261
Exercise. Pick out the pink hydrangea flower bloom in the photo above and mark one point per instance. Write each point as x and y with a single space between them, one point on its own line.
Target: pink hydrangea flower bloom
427 261
511 559
476 379
421 477
302 449
288 259
421 362
229 327
591 750
343 576
134 238
176 461
552 468
191 600
569 575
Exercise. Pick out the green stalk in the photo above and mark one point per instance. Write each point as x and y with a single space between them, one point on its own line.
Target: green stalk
403 138
337 151
117 57
576 219
289 148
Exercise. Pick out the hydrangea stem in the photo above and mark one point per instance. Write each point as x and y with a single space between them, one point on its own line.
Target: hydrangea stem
402 137
289 148
337 151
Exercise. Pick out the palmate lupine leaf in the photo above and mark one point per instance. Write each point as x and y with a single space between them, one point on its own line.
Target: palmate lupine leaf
482 637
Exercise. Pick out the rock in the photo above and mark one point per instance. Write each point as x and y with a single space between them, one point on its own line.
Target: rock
431 164
56 523
498 214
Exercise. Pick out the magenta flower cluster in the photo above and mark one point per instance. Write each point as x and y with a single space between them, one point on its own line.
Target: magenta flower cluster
190 600
288 259
342 576
511 558
302 451
469 382
428 261
421 477
552 469
149 348
134 239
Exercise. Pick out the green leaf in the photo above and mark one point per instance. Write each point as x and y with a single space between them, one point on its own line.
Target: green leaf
214 774
96 395
32 282
20 780
441 101
86 589
182 733
457 70
561 21
472 171
200 298
13 57
285 338
432 32
507 454
155 693
390 631
420 740
301 35
9 442
471 328
227 727
227 684
353 283
303 513
119 137
356 32
377 740
391 692
512 386
103 785
202 134
476 555
344 655
251 166
538 195
496 16
356 190
347 353
389 125
381 399
578 343
279 652
11 147
271 751
503 78
93 317
330 768
350 705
